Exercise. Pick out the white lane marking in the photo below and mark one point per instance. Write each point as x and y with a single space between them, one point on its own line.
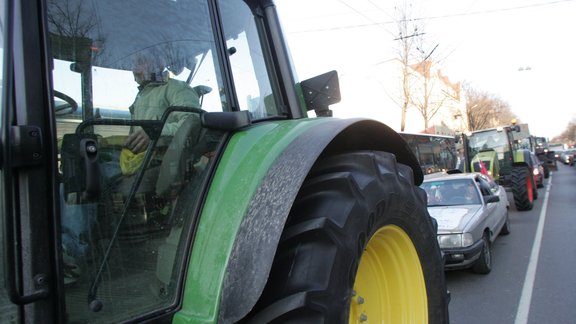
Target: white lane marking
526 297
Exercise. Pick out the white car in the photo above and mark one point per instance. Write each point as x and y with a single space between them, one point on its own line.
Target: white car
471 211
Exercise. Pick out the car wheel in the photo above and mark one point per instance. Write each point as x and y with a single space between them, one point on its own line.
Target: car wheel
484 264
358 244
506 228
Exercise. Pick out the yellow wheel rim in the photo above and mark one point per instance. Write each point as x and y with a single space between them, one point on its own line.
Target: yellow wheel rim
389 285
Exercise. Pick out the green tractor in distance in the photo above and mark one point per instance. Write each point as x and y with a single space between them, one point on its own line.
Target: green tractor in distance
493 152
540 147
240 208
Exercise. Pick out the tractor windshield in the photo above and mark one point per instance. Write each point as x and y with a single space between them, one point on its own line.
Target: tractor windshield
492 140
489 152
103 50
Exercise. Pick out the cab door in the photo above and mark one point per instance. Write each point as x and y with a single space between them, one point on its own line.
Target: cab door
29 291
85 239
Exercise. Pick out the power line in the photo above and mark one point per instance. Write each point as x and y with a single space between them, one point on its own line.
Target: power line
409 36
372 22
490 11
462 14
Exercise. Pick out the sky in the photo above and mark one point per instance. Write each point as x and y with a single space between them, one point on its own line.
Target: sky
522 51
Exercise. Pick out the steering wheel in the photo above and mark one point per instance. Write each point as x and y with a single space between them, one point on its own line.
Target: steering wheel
69 105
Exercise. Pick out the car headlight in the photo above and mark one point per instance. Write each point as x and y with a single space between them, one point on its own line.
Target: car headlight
450 241
455 240
467 239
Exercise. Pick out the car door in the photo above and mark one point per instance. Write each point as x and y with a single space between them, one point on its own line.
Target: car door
497 210
490 209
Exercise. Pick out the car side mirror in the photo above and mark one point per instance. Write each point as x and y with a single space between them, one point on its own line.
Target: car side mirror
491 199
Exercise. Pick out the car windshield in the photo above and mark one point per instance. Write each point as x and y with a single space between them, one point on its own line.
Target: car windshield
451 192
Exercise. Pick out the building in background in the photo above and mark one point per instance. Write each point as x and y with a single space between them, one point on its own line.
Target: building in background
377 93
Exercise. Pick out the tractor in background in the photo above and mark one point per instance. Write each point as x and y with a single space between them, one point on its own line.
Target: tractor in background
494 152
540 147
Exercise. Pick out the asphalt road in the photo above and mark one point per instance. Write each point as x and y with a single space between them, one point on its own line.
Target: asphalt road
533 278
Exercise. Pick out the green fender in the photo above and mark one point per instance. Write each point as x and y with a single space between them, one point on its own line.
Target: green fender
250 197
522 156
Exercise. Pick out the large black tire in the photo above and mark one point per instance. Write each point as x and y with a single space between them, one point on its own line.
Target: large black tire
484 264
522 188
358 244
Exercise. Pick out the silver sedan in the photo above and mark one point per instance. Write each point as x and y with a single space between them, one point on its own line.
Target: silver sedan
471 211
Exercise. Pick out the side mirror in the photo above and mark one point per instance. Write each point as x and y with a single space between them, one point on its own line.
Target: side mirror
491 199
320 92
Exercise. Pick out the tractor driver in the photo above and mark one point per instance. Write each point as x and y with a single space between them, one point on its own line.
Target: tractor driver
157 91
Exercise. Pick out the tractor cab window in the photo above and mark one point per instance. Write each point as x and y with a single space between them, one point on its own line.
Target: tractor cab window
489 141
247 59
132 81
490 150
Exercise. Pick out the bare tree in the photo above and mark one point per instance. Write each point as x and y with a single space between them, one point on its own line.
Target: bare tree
568 136
421 82
69 19
408 31
485 110
75 37
71 22
430 97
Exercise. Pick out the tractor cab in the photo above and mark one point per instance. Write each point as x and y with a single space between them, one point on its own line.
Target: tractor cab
495 152
162 69
126 213
490 152
145 99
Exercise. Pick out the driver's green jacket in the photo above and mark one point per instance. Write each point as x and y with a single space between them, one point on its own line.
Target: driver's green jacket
155 97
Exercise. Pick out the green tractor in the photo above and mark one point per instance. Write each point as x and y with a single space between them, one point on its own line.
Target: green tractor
162 163
494 152
541 148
